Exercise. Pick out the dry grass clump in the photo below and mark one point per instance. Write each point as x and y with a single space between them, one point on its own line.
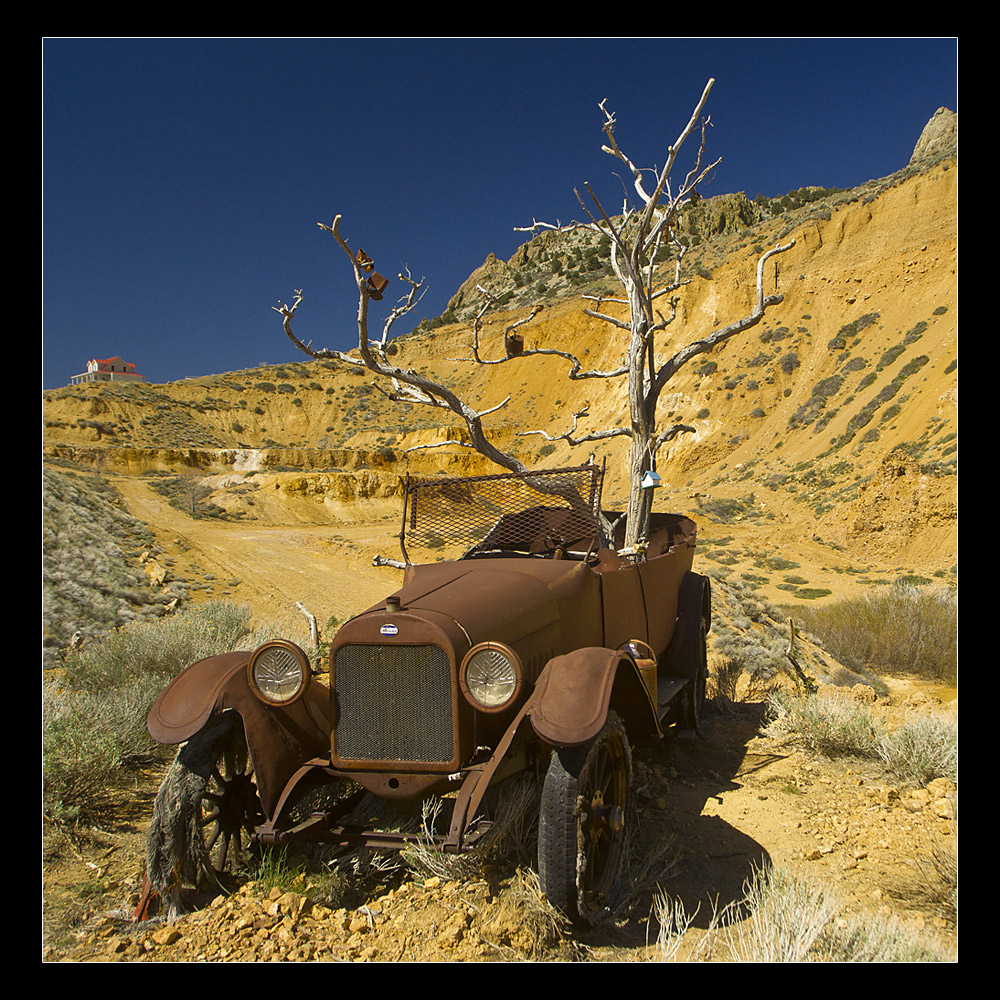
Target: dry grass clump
898 629
836 725
785 918
524 921
933 884
513 836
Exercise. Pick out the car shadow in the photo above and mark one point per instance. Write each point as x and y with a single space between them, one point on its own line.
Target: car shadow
681 847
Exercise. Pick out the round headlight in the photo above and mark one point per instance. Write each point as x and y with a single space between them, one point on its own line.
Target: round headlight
278 672
491 676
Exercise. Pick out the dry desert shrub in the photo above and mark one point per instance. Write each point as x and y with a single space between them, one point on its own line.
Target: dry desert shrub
838 725
898 629
922 749
94 717
783 918
786 918
835 725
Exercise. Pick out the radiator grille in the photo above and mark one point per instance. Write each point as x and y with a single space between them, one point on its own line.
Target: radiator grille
393 703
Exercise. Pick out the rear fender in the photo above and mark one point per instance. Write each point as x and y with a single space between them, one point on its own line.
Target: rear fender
280 740
574 693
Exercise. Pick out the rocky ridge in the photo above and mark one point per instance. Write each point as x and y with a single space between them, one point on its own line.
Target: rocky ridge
812 482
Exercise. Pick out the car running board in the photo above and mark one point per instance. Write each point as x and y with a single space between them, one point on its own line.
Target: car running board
667 688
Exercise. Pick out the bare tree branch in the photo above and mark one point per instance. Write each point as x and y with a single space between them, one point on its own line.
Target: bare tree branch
636 239
591 436
439 444
576 370
683 356
409 385
636 236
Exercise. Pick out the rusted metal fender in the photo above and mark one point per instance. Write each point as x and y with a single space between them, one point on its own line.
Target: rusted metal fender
574 693
191 697
682 657
279 739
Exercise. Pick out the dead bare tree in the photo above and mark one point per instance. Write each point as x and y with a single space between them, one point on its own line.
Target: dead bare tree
636 237
408 386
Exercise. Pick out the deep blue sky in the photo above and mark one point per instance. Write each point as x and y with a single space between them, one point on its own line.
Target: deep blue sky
183 179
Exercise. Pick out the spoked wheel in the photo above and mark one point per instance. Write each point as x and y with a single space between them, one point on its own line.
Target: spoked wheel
229 808
205 810
582 824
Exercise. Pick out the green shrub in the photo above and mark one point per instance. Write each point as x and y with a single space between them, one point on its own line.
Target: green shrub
94 720
897 629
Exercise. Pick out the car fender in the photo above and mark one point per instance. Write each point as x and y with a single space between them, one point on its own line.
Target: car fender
574 693
280 740
694 604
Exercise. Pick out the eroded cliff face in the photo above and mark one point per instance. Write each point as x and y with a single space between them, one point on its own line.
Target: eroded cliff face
939 137
859 362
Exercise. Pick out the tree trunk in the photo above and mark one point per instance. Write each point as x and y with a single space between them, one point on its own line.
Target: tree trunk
643 417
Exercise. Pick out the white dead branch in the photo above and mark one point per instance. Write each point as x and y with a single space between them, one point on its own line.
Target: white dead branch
636 237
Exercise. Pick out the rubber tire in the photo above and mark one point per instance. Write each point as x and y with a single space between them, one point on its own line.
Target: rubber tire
693 696
580 858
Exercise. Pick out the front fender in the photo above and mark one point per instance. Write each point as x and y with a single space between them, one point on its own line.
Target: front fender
280 740
192 696
574 692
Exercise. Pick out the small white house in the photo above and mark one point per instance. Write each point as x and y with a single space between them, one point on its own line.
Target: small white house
108 370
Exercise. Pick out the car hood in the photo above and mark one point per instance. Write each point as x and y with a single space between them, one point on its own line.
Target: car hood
495 599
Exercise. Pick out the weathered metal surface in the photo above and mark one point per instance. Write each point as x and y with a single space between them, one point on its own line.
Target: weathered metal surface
586 628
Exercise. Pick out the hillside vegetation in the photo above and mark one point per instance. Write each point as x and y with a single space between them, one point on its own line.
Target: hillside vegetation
821 474
824 452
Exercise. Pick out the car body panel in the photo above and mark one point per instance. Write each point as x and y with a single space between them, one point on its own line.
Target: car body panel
588 630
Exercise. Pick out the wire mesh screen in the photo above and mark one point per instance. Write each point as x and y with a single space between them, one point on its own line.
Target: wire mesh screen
534 512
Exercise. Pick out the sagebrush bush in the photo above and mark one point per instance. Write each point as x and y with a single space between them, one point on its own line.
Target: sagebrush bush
90 741
922 749
836 725
757 652
158 649
899 629
94 716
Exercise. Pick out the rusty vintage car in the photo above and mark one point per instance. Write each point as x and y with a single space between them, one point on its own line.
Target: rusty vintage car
537 647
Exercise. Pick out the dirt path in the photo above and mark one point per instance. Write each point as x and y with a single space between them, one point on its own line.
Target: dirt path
271 566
